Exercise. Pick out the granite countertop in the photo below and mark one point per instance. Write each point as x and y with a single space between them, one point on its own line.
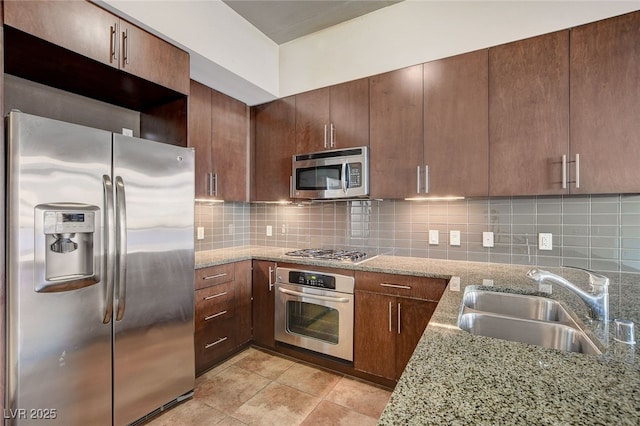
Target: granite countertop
454 377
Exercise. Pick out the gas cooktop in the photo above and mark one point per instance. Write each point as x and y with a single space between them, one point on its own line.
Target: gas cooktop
329 254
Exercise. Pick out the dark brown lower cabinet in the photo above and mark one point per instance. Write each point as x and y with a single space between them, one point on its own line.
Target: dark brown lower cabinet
222 313
263 303
388 326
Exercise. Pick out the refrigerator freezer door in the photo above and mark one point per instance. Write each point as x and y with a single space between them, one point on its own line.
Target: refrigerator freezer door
59 350
154 292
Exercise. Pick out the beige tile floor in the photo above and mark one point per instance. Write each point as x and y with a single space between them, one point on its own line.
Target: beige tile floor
258 388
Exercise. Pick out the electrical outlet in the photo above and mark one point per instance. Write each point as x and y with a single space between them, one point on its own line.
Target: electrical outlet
231 228
284 229
127 132
200 230
269 231
454 238
434 237
487 239
545 241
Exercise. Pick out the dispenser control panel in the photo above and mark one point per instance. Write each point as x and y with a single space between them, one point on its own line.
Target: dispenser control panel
68 222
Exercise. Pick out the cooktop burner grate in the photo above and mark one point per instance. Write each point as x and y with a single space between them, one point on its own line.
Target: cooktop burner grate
329 254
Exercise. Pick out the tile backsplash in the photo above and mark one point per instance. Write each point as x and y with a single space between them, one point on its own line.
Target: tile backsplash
599 232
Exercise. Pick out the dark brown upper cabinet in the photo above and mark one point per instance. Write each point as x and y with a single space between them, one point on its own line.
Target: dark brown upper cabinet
529 115
218 126
456 135
333 117
92 32
274 144
605 126
396 133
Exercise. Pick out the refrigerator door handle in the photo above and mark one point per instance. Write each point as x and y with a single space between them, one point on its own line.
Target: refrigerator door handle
121 248
109 248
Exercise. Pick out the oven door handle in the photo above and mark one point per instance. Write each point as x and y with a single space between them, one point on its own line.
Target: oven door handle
314 296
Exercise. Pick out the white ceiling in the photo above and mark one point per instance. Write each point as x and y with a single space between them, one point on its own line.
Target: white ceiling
285 20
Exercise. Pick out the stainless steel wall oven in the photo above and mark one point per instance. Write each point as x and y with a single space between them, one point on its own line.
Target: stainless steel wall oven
314 310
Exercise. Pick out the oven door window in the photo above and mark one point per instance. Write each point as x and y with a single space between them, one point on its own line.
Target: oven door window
319 178
314 321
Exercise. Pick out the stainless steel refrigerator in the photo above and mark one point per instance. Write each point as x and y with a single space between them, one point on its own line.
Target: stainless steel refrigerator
100 271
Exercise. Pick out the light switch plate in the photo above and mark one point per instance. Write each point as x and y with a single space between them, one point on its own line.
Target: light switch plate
487 282
487 239
545 241
269 231
200 230
434 237
454 238
454 284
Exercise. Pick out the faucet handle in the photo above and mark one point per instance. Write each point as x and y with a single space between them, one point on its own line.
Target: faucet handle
597 281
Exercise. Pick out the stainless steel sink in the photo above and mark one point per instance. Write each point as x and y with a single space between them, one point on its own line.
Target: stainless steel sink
546 334
516 305
522 318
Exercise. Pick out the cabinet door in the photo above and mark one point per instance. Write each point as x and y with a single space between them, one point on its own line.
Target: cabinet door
312 121
229 147
153 59
396 132
199 135
413 315
243 302
605 77
529 115
75 25
263 303
375 334
350 114
274 145
456 120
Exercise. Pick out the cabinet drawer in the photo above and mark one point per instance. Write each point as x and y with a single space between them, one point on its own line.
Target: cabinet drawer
401 285
212 343
207 277
214 304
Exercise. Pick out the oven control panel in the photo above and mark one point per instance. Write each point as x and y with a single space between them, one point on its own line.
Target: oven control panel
312 279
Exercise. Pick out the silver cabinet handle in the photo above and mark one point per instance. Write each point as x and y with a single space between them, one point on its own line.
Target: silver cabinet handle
564 172
290 186
325 136
577 171
398 318
113 55
418 181
220 340
426 179
210 176
406 287
215 295
109 248
215 184
271 271
125 47
211 277
313 296
121 248
207 318
389 317
332 136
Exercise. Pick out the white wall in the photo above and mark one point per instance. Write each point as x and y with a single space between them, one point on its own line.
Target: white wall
416 31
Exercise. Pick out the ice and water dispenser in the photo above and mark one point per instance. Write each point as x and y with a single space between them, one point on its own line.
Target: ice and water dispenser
67 246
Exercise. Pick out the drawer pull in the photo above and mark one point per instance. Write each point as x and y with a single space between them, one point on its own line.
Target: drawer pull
215 295
214 315
405 287
211 277
220 340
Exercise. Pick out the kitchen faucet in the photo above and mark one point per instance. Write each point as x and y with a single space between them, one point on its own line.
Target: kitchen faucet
597 301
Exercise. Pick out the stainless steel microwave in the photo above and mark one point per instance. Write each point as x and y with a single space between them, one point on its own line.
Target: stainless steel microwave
339 173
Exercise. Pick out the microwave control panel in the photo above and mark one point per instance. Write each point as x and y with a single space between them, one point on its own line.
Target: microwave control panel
355 175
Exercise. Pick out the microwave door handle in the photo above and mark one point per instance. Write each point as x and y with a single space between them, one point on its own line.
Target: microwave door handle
345 182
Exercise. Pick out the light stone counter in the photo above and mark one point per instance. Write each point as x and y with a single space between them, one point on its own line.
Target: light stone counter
454 377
